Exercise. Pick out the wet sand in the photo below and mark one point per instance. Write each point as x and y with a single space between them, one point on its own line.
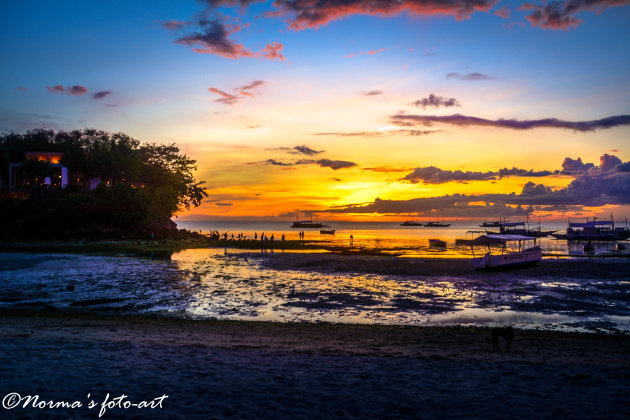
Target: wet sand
551 267
231 369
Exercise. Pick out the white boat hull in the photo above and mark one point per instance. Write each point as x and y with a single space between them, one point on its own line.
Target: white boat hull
523 258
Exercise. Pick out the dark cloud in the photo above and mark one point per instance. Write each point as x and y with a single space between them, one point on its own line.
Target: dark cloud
574 166
465 121
380 133
435 101
609 162
324 163
101 94
76 90
301 14
307 150
524 172
226 98
327 163
213 38
273 162
335 164
385 169
624 167
469 76
433 175
561 14
371 92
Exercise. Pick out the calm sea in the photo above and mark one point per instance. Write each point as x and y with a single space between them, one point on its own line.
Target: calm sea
405 240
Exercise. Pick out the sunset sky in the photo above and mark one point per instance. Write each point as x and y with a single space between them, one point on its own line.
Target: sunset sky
354 110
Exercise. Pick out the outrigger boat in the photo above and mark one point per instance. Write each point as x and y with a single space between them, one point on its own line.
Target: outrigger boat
506 259
595 230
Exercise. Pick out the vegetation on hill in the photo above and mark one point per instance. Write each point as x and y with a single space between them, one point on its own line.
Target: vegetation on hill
138 186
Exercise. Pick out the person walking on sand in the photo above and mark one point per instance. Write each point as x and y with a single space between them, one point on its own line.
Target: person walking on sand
282 238
255 236
351 240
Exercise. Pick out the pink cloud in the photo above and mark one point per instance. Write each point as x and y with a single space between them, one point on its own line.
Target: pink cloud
503 12
76 90
302 14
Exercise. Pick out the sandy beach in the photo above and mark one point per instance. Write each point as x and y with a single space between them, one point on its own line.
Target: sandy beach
232 369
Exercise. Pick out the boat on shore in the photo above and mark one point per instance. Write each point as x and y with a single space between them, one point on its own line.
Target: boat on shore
437 243
506 259
594 230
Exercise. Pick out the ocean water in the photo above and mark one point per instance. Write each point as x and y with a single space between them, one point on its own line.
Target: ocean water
238 284
410 241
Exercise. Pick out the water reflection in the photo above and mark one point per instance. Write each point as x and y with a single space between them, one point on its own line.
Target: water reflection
232 284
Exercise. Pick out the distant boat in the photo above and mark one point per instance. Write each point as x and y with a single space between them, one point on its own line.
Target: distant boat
327 230
306 224
506 259
510 228
437 243
411 223
595 230
493 224
436 224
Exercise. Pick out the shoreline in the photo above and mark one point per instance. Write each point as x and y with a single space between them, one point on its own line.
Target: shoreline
262 370
449 342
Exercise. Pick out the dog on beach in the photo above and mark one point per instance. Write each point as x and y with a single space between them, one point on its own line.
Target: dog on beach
508 335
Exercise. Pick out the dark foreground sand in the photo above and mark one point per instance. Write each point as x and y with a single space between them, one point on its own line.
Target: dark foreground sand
218 369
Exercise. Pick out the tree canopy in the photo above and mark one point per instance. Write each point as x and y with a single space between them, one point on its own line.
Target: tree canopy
141 183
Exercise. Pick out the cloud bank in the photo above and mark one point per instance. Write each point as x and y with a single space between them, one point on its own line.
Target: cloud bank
608 183
466 121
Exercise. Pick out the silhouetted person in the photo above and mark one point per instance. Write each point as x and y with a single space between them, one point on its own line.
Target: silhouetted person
351 240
